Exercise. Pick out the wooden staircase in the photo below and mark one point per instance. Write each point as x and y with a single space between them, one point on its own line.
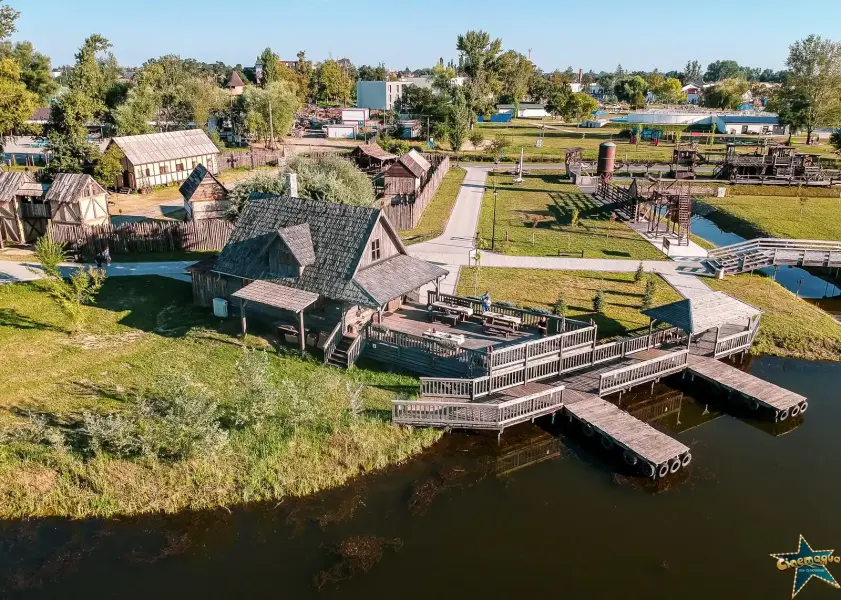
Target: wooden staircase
339 356
684 218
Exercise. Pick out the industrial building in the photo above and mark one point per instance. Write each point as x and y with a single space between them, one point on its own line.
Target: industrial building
524 110
735 122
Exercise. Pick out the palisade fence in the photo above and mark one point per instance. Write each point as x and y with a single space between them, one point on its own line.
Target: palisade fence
146 236
250 159
408 215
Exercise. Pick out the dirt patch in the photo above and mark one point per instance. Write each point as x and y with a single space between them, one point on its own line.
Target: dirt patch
89 341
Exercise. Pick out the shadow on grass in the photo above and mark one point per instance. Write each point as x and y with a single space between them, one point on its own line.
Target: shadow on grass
617 253
9 317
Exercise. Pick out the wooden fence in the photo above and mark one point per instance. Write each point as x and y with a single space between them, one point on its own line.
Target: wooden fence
408 215
146 236
250 159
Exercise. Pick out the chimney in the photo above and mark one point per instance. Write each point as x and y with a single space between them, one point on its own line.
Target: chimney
580 75
292 184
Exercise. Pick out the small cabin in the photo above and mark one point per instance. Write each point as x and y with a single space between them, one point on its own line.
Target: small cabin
406 176
371 157
235 84
205 197
77 199
23 212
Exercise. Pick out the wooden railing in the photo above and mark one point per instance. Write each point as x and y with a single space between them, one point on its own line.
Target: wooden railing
34 211
735 343
354 350
473 359
765 252
477 415
333 341
627 377
624 347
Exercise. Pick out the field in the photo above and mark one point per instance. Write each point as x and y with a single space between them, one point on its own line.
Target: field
435 217
535 217
780 216
541 288
154 406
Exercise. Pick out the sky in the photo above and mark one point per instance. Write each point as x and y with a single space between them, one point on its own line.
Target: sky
640 35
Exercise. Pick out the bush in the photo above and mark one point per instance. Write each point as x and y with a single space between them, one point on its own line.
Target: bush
476 137
599 302
639 274
648 295
538 309
560 306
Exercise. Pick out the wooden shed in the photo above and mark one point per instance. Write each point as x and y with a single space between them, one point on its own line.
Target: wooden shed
205 197
77 199
24 214
406 175
163 158
372 157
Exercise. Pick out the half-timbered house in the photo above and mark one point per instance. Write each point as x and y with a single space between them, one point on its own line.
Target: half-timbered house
205 197
77 199
163 158
319 271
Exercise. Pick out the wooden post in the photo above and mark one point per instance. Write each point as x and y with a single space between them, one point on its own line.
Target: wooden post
715 347
242 304
650 332
301 334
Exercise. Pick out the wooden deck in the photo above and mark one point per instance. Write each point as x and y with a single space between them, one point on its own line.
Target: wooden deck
661 452
414 319
734 380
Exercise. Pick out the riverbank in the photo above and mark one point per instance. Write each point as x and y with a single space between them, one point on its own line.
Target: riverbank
154 406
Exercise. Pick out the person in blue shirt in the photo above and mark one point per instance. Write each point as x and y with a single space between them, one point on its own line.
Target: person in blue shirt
486 302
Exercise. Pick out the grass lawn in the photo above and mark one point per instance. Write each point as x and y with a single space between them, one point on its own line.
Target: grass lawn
541 288
780 216
284 430
790 327
544 196
435 217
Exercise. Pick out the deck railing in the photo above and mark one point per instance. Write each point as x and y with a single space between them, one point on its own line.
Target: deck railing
476 414
627 377
333 341
473 359
626 346
354 350
765 252
737 342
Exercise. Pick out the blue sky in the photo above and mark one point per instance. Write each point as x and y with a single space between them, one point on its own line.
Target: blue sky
561 33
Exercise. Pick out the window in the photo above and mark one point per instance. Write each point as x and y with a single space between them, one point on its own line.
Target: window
375 250
179 166
164 170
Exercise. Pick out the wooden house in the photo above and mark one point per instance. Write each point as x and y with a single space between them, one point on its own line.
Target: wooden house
77 199
205 197
406 176
163 158
235 84
371 157
318 271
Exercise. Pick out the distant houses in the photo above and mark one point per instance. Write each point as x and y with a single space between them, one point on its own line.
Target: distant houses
163 158
235 84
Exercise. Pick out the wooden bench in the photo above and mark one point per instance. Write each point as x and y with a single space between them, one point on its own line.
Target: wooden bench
497 329
443 317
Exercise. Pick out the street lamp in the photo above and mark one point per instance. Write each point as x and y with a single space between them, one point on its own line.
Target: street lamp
493 228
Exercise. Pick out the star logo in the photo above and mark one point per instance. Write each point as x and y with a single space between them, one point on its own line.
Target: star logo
807 563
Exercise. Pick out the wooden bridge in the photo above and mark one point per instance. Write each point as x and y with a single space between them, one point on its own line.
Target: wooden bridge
770 252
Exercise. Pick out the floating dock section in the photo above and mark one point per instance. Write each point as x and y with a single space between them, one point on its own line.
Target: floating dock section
757 392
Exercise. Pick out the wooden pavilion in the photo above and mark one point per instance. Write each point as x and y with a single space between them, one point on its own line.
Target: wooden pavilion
370 157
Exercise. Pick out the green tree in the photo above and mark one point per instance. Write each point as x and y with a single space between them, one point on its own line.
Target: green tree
476 138
669 91
368 73
459 121
332 82
726 95
16 102
648 294
88 76
813 84
557 95
304 69
270 62
628 89
132 117
479 54
578 107
270 110
515 73
599 304
723 69
108 167
560 307
692 73
35 70
639 274
8 17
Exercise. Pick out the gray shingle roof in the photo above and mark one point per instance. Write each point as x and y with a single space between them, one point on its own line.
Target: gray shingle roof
276 295
394 277
9 184
374 151
416 163
69 187
338 234
199 175
702 313
155 147
299 241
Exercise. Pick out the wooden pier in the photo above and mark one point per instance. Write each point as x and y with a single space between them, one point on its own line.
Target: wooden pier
757 392
640 442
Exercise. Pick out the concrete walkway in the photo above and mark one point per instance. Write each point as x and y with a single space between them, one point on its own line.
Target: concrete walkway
14 272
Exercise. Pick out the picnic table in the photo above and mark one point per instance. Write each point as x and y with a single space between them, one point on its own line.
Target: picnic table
455 339
464 312
495 317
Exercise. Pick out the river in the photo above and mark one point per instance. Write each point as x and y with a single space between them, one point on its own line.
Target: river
460 522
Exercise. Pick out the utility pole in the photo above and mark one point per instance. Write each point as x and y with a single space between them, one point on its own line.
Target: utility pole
271 127
493 227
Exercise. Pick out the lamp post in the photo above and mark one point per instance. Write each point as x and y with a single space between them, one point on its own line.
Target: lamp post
493 228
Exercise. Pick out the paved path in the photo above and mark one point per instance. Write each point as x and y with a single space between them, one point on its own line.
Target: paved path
13 272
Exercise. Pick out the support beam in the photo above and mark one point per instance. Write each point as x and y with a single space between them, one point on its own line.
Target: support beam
242 304
301 333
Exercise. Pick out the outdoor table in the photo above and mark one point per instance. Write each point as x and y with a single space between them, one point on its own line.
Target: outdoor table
465 312
455 339
495 317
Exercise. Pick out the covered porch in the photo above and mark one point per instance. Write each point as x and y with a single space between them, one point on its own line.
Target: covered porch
717 324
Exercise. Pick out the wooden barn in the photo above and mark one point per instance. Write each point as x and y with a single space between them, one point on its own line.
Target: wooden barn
24 214
406 176
205 197
77 199
163 158
371 157
315 271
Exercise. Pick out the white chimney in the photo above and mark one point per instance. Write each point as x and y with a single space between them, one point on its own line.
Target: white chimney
292 184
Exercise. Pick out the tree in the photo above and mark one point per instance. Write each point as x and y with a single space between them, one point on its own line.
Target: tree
476 138
639 274
723 69
301 81
558 94
726 95
599 302
368 73
835 140
35 70
628 89
648 294
271 110
578 107
270 62
560 306
304 69
692 73
132 117
669 91
332 82
478 56
813 86
458 123
16 102
515 73
88 76
8 16
108 166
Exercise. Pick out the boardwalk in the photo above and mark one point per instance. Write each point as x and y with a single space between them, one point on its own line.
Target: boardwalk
784 402
662 453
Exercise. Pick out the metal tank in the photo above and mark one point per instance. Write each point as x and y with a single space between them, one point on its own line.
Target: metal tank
607 159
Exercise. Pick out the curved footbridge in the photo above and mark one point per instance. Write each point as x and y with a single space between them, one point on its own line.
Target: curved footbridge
570 373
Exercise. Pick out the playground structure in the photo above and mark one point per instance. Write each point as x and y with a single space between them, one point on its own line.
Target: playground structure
782 163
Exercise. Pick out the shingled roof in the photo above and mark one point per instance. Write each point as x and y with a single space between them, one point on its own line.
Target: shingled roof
10 182
69 187
155 147
705 312
199 175
338 236
416 163
374 151
235 80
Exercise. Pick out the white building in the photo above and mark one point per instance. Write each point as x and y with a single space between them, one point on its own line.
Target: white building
693 93
355 115
340 131
379 95
525 111
731 122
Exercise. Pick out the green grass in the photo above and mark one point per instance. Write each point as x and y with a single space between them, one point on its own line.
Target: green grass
780 216
437 213
143 332
541 288
790 326
544 196
175 255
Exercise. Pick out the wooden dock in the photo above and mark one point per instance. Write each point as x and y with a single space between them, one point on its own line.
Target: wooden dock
758 392
640 441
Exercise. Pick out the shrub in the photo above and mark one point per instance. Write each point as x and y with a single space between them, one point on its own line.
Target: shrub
648 295
255 398
599 302
538 309
560 306
476 137
639 274
574 215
